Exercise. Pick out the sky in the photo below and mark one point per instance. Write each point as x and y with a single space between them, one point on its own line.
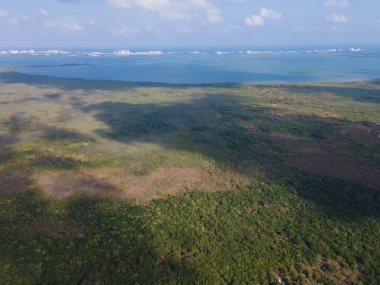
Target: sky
103 24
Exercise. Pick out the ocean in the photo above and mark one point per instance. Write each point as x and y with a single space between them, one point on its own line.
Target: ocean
201 67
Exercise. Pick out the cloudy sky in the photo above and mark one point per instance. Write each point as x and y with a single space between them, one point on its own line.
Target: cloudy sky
192 23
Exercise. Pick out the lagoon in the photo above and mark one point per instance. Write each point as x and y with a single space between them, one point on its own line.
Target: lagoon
205 67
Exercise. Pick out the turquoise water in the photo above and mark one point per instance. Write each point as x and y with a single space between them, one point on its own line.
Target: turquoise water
205 68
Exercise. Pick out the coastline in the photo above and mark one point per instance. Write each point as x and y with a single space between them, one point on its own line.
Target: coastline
11 74
204 69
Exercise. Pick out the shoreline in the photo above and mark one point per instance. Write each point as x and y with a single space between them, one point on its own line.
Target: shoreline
11 73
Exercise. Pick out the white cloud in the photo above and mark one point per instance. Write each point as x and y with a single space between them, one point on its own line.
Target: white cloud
125 30
173 9
298 29
258 20
64 25
15 20
229 1
336 3
120 3
335 18
254 20
3 14
232 27
43 12
270 14
185 30
151 29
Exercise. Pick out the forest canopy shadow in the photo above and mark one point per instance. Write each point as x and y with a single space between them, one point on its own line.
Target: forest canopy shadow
17 175
231 130
243 137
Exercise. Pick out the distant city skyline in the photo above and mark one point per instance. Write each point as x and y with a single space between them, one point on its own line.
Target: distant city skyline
135 24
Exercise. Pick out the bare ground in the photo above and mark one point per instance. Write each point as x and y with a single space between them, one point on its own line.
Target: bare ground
14 182
331 162
123 184
324 270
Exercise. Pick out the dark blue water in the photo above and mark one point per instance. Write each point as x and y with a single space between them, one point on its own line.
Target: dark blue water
205 68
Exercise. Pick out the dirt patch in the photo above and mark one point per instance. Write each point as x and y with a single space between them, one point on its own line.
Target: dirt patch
308 149
333 271
122 183
352 156
64 183
12 182
54 229
344 167
323 272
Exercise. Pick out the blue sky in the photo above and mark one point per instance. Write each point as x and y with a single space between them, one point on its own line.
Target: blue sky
193 23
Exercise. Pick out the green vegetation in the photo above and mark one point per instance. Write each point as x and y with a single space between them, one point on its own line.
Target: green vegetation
121 183
238 237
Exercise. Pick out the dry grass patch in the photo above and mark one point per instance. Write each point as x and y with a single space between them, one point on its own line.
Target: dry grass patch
330 272
121 183
318 161
12 182
52 228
